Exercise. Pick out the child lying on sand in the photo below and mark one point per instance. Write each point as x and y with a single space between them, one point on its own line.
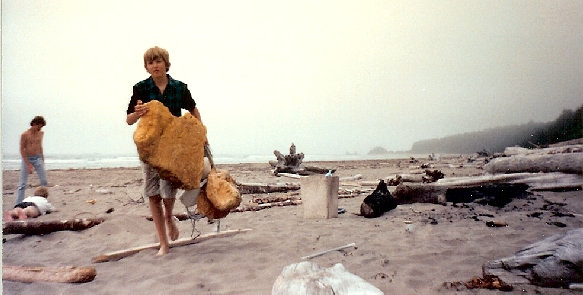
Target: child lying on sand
31 207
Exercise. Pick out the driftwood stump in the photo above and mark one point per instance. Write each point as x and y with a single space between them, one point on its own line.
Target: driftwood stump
291 163
379 202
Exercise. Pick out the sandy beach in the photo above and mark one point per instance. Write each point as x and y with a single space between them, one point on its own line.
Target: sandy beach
413 249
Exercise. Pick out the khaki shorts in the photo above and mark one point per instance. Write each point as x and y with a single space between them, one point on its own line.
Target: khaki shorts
154 185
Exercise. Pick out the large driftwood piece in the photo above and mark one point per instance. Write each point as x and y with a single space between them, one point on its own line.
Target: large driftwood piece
379 202
575 148
60 274
33 227
436 192
567 163
556 261
117 255
262 188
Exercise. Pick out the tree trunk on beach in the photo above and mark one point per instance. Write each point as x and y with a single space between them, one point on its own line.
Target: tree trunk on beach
453 188
29 227
261 188
62 274
566 163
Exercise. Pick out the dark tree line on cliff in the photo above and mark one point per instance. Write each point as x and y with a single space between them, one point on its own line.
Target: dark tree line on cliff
566 127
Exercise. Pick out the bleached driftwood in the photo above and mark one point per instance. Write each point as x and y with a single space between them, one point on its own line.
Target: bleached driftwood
262 188
117 255
59 274
553 262
290 175
328 251
351 178
307 278
33 227
567 163
512 151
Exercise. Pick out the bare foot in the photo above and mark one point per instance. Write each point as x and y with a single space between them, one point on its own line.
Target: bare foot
173 232
163 251
8 216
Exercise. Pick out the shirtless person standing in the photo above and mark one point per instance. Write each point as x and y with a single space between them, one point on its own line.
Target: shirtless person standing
31 150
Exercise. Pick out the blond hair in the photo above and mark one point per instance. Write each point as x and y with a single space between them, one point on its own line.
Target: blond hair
155 53
41 191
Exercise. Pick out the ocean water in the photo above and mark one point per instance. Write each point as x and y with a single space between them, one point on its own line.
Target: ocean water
96 161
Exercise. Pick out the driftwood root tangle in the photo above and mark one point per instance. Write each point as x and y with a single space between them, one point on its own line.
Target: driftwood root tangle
379 202
63 274
30 227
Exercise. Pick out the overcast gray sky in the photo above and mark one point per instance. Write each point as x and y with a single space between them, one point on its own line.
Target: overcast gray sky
330 76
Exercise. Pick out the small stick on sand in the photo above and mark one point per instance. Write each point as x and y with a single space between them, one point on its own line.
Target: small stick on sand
327 251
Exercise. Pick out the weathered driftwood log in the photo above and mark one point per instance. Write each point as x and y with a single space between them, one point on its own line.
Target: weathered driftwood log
567 163
117 255
553 262
379 202
258 207
262 188
59 274
575 148
306 278
33 227
436 192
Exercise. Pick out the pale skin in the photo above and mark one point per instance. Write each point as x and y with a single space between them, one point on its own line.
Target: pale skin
160 208
20 214
31 144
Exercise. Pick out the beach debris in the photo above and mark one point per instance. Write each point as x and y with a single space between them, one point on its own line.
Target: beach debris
306 278
566 159
30 227
263 188
496 223
257 207
552 262
487 282
58 274
352 178
103 191
379 202
481 188
117 255
292 164
173 146
329 250
432 175
91 201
